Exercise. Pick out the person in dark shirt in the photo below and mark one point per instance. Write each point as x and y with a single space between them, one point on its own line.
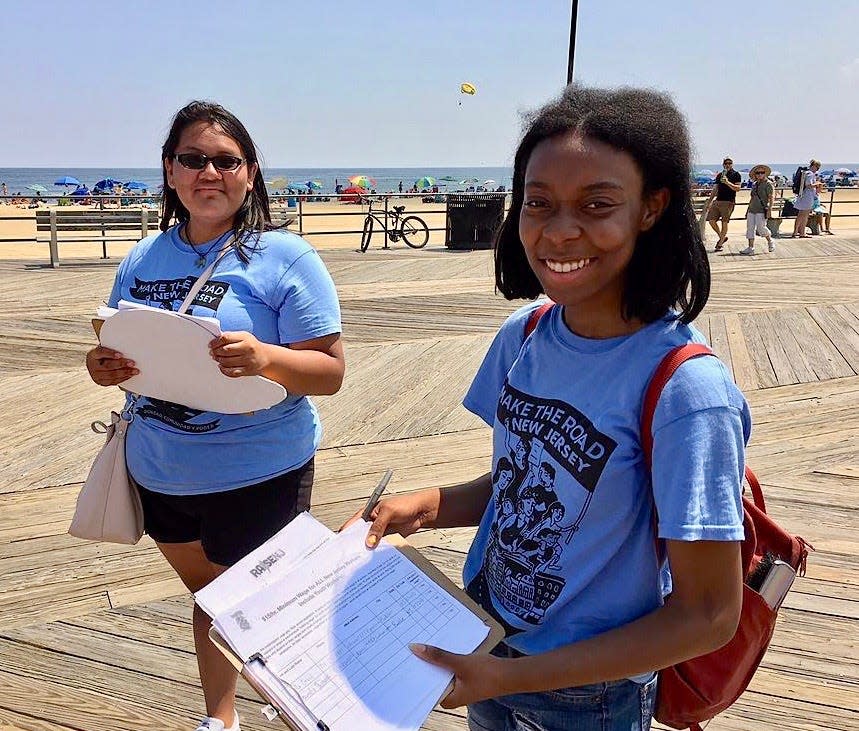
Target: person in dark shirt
725 194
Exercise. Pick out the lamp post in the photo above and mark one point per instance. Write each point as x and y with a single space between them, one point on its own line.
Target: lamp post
573 18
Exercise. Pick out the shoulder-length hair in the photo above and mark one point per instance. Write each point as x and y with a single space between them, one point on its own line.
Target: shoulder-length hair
669 266
254 216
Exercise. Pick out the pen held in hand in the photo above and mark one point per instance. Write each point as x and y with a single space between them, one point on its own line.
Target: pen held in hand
376 494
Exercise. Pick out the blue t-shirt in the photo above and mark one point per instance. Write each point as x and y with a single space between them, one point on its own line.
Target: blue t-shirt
566 544
283 295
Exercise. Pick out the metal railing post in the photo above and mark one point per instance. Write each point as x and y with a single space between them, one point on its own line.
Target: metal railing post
386 223
300 220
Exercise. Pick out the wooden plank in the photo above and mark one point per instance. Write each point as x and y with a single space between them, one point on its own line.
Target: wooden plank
745 374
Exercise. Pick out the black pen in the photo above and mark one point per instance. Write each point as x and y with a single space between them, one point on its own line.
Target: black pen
376 494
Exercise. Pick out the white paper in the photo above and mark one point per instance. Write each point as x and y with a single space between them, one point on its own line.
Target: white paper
265 565
337 630
171 351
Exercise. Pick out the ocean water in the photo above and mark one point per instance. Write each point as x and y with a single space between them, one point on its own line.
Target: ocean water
387 179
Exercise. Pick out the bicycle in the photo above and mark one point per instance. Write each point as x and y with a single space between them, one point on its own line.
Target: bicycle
411 229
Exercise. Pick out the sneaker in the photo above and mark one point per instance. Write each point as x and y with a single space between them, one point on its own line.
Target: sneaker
719 247
770 246
748 251
216 724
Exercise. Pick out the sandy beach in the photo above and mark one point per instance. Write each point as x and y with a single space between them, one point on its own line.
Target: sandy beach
333 226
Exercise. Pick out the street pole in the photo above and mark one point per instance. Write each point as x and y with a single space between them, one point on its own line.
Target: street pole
573 18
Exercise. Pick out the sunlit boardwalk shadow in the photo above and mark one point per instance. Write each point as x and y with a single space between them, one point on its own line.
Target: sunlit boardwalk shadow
98 637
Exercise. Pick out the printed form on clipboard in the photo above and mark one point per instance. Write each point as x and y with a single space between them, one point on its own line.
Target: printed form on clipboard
326 642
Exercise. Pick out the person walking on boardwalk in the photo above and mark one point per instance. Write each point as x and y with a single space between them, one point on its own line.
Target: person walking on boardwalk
215 486
725 194
601 221
809 188
760 208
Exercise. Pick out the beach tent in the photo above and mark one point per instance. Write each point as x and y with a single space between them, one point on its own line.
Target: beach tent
67 180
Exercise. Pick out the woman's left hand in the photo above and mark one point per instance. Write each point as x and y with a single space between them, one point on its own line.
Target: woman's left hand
240 354
476 677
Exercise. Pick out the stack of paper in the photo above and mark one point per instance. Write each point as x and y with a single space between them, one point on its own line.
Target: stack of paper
326 639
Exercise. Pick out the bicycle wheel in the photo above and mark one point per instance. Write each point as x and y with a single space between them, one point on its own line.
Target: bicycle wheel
414 231
366 233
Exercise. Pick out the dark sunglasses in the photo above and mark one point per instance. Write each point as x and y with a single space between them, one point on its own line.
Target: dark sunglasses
198 161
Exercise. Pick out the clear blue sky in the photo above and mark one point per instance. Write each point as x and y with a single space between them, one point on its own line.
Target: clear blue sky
354 83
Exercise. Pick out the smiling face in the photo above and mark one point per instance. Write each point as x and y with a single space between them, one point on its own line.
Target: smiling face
582 212
212 197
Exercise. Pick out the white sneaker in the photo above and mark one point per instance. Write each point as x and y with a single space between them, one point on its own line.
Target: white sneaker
770 246
748 251
216 724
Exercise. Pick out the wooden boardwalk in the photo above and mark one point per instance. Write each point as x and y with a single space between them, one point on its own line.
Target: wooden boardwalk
97 637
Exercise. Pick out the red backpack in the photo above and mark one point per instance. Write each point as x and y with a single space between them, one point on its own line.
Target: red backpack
695 690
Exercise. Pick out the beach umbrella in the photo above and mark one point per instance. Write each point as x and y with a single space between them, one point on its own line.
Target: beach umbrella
106 184
36 188
703 179
449 179
706 173
468 181
67 180
80 191
489 182
827 173
135 185
314 184
845 171
279 182
362 181
425 182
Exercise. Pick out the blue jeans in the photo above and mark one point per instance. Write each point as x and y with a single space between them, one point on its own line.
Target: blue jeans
622 705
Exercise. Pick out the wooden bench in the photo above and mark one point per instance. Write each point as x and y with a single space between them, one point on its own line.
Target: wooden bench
96 225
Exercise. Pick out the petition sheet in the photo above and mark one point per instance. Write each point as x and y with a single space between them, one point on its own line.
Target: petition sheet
336 631
264 565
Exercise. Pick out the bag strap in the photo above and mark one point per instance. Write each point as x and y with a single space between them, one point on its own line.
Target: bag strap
203 278
535 316
666 368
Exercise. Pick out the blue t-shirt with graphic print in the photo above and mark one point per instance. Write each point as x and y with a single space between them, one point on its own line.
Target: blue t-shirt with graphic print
565 549
283 295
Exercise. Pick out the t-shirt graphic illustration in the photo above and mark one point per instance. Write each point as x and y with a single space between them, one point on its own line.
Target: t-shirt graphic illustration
539 512
168 294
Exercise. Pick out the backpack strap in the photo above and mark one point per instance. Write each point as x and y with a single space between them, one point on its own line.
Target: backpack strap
666 368
535 316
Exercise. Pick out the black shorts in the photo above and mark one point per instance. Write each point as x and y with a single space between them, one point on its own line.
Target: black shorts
232 523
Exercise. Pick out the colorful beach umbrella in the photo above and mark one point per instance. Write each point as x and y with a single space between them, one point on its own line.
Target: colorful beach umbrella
314 184
362 181
425 182
37 188
68 180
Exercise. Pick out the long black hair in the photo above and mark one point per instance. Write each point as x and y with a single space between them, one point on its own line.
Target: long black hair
669 266
254 216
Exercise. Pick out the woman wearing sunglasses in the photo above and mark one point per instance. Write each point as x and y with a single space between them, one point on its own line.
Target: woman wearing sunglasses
215 486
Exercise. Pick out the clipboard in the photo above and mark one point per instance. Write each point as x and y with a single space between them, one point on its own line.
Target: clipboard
171 352
495 635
